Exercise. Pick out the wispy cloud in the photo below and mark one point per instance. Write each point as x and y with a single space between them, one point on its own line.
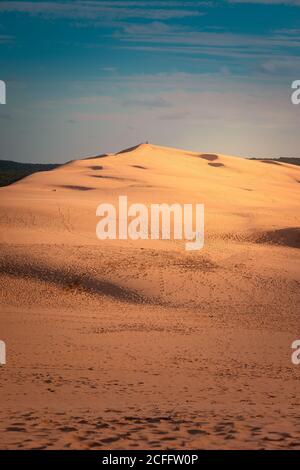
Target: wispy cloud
109 69
191 72
269 2
209 118
181 36
233 49
155 102
283 65
6 39
174 116
6 117
93 10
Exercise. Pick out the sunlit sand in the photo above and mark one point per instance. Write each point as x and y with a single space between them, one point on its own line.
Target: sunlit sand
142 344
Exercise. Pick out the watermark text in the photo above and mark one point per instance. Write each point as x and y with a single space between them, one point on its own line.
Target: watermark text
296 94
2 353
160 221
2 92
296 353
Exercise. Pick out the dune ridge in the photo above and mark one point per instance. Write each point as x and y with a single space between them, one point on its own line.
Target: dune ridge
127 344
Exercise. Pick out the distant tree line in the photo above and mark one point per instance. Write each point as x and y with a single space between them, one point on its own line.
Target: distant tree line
290 160
10 171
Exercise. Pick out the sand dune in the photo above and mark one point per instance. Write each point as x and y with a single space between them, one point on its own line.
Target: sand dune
127 344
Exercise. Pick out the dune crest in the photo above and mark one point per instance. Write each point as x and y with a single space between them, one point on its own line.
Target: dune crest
139 343
242 197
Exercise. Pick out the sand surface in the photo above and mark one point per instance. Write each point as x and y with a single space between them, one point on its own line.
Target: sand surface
140 344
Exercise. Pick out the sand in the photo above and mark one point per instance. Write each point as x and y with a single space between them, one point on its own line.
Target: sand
140 344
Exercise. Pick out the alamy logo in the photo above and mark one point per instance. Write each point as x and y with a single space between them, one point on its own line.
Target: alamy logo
296 353
2 353
2 92
134 221
296 94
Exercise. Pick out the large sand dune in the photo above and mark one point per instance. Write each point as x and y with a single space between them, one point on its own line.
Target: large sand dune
127 344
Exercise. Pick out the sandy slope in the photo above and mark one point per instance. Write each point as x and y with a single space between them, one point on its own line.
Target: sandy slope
125 344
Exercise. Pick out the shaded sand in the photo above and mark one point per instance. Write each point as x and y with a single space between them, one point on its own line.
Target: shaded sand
123 344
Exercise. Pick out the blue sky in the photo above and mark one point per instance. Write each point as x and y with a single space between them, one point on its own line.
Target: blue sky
87 77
